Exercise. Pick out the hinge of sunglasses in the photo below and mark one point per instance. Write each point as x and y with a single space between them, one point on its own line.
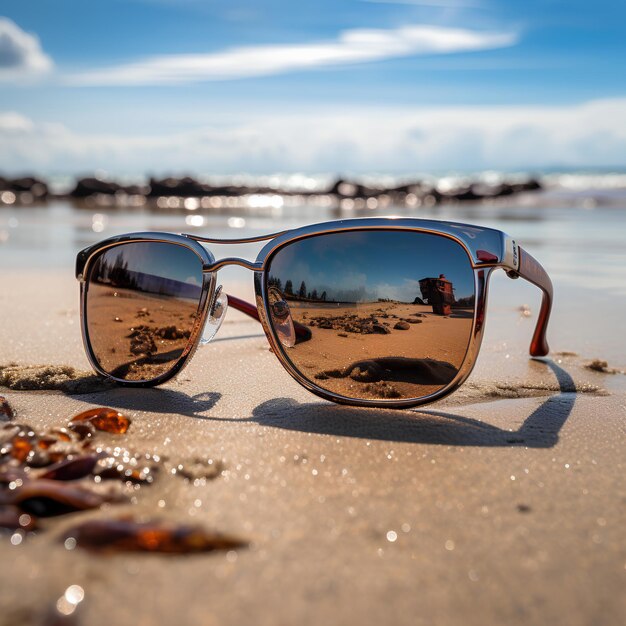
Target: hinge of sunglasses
511 258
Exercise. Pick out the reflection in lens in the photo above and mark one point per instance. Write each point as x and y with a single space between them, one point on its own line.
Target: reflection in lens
390 312
142 302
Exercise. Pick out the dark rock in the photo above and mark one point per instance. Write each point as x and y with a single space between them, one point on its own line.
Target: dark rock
379 329
187 187
168 332
347 189
37 188
532 184
135 190
143 343
464 194
91 186
402 326
483 190
414 188
86 187
367 372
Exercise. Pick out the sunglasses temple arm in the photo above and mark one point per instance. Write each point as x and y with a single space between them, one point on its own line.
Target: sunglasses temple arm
244 307
531 270
302 332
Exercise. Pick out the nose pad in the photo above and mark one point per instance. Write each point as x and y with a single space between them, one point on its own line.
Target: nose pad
217 312
281 318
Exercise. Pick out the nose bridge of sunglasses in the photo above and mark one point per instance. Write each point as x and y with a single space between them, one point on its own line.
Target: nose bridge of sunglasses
220 263
281 317
215 316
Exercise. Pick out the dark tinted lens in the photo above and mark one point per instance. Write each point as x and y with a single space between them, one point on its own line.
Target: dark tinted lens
390 312
142 302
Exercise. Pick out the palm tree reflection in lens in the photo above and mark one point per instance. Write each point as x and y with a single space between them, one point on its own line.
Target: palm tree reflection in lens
390 312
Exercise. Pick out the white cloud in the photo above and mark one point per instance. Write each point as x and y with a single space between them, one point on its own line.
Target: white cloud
399 139
21 55
351 47
11 122
407 290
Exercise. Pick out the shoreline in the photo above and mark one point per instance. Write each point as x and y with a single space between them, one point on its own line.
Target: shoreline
191 193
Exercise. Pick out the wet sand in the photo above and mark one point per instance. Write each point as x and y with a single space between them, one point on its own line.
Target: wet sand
503 504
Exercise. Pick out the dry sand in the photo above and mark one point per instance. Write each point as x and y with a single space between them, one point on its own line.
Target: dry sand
380 349
504 504
137 336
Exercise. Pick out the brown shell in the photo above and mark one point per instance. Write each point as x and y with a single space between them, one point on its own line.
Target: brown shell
129 535
104 419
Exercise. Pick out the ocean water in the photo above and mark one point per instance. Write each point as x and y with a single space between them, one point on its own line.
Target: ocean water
578 233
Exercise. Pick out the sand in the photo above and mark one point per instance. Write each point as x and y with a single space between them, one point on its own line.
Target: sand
503 504
380 349
137 336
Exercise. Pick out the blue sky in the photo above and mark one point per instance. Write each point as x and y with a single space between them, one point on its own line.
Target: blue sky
159 259
344 85
343 265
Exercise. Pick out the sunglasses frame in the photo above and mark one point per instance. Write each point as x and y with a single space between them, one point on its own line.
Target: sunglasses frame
487 249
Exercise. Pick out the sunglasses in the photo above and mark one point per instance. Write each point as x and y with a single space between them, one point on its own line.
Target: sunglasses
384 312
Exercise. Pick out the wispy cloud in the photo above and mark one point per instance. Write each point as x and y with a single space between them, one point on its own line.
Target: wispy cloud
393 139
21 55
351 47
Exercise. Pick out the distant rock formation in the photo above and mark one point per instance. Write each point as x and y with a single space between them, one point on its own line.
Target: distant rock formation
188 187
86 187
26 189
347 193
420 192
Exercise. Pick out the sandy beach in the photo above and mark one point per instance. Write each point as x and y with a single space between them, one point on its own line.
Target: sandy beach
380 349
142 325
231 495
502 504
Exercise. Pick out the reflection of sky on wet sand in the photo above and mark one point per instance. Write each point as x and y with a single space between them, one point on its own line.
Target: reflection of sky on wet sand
360 266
